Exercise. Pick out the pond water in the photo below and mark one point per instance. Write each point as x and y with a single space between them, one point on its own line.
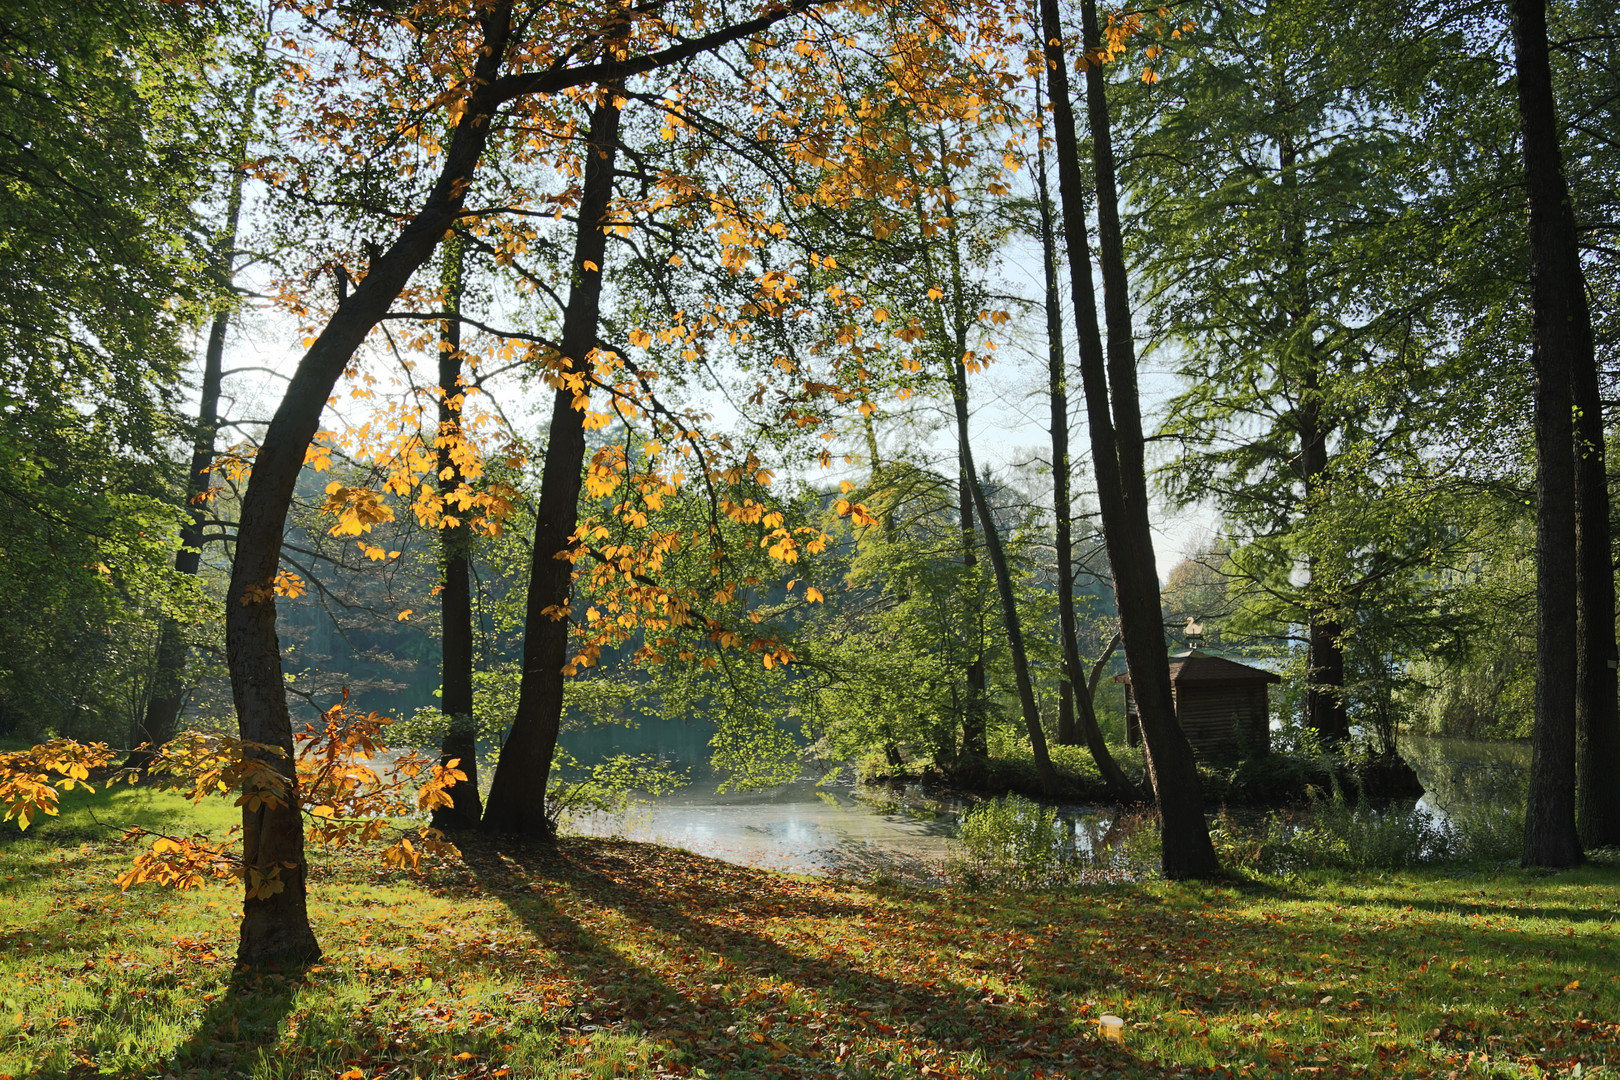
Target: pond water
801 827
1468 774
804 827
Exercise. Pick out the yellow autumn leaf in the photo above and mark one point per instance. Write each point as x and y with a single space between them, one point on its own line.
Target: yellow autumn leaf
406 614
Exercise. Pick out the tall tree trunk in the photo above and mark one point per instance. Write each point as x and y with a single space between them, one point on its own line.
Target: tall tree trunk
517 797
1114 416
162 715
1557 297
275 928
1597 704
1004 586
1073 683
1597 696
1325 710
975 737
455 597
1057 395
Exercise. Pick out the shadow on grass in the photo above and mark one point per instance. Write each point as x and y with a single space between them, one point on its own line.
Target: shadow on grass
1477 977
734 999
241 1026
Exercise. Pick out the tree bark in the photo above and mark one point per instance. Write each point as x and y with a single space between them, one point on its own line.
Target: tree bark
1597 703
1113 412
1325 711
162 714
1557 297
517 797
975 737
1057 393
455 597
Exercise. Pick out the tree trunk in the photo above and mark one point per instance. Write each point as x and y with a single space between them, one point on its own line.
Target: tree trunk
1325 711
1057 391
1114 416
1009 606
1597 696
975 737
1597 710
517 798
162 713
275 928
1067 734
1550 837
455 596
1072 684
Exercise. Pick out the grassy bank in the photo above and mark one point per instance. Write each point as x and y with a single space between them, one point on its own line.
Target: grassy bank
617 959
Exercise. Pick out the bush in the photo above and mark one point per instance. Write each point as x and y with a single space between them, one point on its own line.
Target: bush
1011 841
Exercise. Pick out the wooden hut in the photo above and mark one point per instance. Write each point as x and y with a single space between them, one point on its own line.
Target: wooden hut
1222 705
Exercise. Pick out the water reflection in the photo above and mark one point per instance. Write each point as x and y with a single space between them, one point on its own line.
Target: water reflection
810 829
1460 776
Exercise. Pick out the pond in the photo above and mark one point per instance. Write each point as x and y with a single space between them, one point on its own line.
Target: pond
804 827
801 827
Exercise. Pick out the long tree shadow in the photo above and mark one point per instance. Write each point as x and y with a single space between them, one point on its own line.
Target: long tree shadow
736 992
240 1025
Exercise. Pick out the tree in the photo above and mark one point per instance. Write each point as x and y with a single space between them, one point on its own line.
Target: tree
1113 411
157 725
460 743
1075 691
1563 349
1586 93
1293 203
516 801
105 111
890 664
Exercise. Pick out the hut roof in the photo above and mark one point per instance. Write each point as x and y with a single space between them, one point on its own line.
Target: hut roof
1195 665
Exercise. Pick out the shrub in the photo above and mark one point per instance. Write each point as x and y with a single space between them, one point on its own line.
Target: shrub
1007 841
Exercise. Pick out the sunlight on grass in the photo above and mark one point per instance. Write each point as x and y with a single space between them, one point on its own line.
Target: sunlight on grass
620 959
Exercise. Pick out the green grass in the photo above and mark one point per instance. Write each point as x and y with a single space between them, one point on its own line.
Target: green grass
616 959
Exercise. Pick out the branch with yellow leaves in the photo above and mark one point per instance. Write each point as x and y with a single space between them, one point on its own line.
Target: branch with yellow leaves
346 801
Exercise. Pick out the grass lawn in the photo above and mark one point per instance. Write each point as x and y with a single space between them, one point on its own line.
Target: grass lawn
613 959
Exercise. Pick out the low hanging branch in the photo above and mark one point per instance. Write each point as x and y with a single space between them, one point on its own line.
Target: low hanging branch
344 799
